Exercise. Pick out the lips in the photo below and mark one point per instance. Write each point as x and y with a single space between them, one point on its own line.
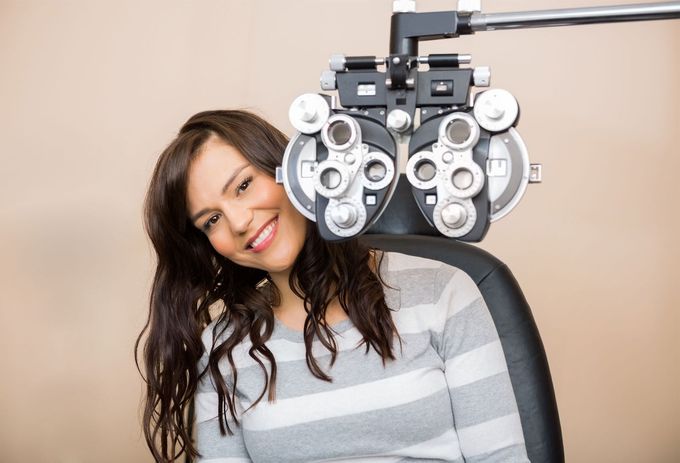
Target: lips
263 242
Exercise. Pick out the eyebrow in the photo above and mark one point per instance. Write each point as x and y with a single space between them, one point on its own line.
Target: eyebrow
231 178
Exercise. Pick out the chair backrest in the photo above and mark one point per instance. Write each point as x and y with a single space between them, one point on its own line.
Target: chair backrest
401 229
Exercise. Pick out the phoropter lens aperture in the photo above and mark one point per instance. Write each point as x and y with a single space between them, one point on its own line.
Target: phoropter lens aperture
339 132
425 170
375 171
458 131
462 178
330 179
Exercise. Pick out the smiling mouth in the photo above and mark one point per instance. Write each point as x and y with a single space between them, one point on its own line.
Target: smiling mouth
265 236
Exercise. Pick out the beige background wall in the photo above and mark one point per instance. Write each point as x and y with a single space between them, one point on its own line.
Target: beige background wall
91 91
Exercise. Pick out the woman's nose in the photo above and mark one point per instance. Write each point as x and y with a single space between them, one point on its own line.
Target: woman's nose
239 219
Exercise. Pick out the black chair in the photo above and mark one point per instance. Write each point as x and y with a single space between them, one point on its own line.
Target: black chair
403 229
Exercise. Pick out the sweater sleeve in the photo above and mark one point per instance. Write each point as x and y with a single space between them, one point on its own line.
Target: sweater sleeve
212 446
484 406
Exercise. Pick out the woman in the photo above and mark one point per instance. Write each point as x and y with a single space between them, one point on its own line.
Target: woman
297 349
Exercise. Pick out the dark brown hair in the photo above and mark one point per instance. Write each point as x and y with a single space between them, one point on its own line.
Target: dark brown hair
191 277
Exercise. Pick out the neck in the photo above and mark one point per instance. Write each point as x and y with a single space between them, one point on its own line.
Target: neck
291 310
289 299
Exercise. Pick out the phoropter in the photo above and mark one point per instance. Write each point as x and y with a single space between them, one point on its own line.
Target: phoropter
467 165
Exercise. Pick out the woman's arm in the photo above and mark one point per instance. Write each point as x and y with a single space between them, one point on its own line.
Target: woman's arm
211 444
484 406
214 447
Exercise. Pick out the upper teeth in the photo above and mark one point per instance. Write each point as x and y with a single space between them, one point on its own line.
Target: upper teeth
265 233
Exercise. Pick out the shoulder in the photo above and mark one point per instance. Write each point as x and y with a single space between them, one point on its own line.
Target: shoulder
215 333
437 276
426 292
211 337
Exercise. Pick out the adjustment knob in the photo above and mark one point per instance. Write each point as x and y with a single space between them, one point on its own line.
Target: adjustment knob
469 6
344 215
308 113
496 110
327 80
492 109
454 215
398 120
304 110
481 76
404 6
337 62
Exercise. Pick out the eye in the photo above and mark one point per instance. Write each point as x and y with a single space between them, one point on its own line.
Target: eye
243 186
210 222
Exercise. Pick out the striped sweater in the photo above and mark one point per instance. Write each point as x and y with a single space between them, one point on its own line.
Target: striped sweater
446 398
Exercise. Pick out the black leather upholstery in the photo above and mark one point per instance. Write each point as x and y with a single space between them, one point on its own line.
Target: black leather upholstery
527 362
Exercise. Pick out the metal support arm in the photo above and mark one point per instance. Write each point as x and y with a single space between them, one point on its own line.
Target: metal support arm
575 16
408 28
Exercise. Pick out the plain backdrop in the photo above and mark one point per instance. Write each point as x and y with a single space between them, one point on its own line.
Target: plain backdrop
92 91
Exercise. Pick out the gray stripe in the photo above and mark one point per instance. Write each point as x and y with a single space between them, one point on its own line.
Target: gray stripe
429 460
213 445
351 368
514 454
206 384
468 329
374 432
483 400
416 286
444 275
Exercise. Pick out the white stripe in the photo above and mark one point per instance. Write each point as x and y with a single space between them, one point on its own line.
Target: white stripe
375 395
444 447
362 459
397 261
479 363
491 435
225 460
460 292
419 318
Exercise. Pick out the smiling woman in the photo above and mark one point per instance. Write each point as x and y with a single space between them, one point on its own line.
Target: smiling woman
226 234
296 349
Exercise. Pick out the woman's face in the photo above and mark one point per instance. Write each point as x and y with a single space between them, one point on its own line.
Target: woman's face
244 213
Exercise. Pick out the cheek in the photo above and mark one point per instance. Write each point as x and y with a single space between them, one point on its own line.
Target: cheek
223 244
272 197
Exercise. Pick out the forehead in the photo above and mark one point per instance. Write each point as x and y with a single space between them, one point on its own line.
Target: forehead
209 170
216 154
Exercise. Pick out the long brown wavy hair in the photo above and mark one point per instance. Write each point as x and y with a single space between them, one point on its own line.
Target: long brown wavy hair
191 277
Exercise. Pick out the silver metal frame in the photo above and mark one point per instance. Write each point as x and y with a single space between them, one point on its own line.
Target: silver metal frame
575 16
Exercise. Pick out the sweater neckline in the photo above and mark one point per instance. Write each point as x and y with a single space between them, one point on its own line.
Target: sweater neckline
391 298
290 334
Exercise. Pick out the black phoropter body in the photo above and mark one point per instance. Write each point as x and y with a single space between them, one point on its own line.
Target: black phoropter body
467 164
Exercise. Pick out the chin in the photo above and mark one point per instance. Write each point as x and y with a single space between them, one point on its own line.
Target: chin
282 262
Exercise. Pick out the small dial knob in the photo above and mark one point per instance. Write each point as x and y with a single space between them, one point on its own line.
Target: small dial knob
481 76
404 6
337 62
328 80
344 215
454 215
